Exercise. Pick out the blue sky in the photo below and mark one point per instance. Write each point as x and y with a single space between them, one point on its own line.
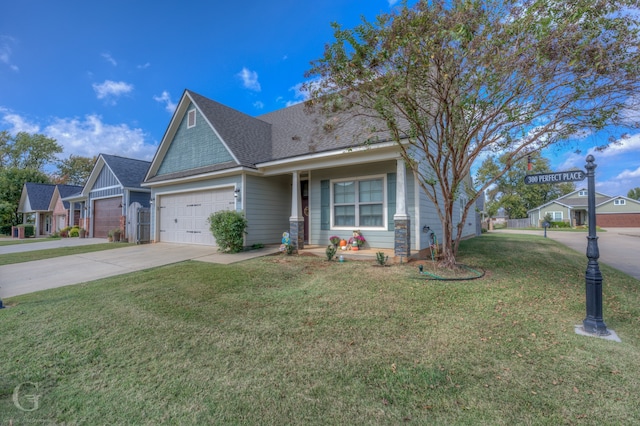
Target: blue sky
104 77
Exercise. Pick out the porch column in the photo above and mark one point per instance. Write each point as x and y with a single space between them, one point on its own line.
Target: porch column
296 220
401 220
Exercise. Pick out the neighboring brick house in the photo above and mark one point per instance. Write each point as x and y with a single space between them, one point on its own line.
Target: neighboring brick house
611 212
42 205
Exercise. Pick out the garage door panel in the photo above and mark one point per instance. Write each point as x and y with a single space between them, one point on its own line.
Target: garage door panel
183 217
106 216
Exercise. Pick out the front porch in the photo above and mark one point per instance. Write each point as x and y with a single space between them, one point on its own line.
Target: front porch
361 254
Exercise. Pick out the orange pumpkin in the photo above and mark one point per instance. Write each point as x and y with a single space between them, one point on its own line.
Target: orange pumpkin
343 243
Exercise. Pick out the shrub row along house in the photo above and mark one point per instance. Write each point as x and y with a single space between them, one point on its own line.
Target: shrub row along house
283 170
611 212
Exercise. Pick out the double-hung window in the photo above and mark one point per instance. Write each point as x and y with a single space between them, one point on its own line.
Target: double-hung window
358 203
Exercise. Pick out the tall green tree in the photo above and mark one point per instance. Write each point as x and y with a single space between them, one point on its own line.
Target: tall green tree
451 80
634 193
510 191
74 170
27 151
12 180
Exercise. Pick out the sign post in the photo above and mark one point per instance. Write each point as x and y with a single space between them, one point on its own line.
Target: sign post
593 323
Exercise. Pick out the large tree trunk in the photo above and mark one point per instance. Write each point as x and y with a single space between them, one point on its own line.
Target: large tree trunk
448 252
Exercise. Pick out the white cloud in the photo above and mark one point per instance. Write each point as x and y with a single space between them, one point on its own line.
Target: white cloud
17 123
249 79
112 89
6 51
165 98
109 58
144 66
88 136
258 104
392 2
299 95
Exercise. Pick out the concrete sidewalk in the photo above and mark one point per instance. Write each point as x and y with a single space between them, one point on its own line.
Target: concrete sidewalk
618 247
28 277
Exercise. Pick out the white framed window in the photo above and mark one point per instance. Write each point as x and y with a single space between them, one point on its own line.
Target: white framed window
555 216
619 202
359 203
582 194
191 119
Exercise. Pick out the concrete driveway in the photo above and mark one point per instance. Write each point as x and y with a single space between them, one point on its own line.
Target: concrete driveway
619 247
28 277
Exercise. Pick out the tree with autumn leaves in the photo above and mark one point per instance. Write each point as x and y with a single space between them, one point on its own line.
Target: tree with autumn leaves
453 82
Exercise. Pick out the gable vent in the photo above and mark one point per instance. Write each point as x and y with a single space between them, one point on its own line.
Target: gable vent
191 119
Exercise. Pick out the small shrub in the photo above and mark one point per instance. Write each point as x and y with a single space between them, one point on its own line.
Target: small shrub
228 228
289 249
381 258
330 251
257 246
74 232
29 230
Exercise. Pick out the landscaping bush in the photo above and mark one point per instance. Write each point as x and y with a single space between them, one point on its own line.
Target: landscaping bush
5 230
29 230
560 225
74 232
228 228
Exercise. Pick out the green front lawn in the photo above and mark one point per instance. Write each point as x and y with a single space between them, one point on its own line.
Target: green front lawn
28 256
298 340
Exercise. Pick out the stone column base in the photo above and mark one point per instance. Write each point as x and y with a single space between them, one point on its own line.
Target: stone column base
296 233
402 240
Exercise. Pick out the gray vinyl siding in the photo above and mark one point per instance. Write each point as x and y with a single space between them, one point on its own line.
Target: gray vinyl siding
374 238
268 208
229 181
429 212
194 147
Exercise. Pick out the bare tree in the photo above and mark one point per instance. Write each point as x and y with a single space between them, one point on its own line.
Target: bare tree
454 81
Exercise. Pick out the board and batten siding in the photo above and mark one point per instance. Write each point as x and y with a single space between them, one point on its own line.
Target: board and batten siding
194 147
267 203
228 181
106 185
375 238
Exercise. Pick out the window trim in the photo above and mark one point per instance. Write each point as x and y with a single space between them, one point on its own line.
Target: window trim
619 202
553 215
582 193
191 113
357 179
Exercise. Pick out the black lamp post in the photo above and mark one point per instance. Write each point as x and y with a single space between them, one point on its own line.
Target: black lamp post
593 323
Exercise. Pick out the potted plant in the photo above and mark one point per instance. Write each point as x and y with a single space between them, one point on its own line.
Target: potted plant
116 234
357 242
335 240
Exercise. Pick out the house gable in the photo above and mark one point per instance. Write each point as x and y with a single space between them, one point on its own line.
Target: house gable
194 146
35 197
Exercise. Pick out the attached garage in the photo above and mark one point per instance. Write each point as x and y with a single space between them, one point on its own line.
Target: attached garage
183 217
106 216
618 220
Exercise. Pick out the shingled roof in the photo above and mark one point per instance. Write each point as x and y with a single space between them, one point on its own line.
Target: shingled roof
297 130
248 138
39 195
67 191
128 171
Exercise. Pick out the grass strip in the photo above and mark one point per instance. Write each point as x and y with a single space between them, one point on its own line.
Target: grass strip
28 256
299 340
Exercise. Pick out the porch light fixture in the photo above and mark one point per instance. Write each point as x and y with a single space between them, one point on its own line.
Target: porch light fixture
236 193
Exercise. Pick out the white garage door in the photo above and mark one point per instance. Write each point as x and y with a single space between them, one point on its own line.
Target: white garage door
183 217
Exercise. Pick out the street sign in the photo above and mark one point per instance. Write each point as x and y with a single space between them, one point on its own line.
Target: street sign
570 176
